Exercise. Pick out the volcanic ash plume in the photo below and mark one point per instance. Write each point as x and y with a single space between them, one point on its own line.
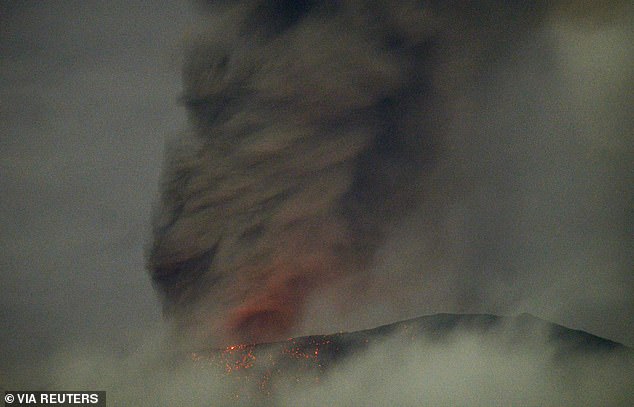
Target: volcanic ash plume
321 129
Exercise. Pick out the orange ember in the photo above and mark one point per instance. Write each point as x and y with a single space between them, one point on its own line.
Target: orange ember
264 366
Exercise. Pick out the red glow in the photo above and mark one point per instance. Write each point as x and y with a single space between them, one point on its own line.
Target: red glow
292 361
270 313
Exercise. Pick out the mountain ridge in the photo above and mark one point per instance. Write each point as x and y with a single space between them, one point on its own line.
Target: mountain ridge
306 360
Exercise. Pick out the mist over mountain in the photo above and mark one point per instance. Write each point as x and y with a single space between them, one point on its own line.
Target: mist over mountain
443 359
312 356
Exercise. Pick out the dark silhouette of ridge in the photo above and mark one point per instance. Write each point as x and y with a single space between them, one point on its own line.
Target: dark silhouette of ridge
308 358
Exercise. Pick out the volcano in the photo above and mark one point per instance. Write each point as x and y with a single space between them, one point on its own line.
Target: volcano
306 361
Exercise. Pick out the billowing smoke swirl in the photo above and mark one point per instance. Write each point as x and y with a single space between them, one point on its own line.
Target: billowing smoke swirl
316 126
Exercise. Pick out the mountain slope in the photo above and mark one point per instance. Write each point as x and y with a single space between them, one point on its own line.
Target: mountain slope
307 361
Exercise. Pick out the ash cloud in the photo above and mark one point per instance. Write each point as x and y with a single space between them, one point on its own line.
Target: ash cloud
527 210
542 224
399 159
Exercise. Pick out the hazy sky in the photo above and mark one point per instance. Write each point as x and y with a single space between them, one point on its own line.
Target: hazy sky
89 93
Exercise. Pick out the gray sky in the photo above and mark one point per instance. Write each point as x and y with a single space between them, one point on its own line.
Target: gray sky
88 95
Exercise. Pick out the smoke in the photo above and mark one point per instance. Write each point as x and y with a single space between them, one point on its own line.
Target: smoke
470 370
443 162
525 207
500 367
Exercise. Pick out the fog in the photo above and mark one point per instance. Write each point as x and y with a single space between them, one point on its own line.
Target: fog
539 219
465 368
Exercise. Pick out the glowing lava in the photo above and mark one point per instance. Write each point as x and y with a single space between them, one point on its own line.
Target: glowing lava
266 366
258 370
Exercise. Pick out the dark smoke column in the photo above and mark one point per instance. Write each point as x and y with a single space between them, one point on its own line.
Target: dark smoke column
312 126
